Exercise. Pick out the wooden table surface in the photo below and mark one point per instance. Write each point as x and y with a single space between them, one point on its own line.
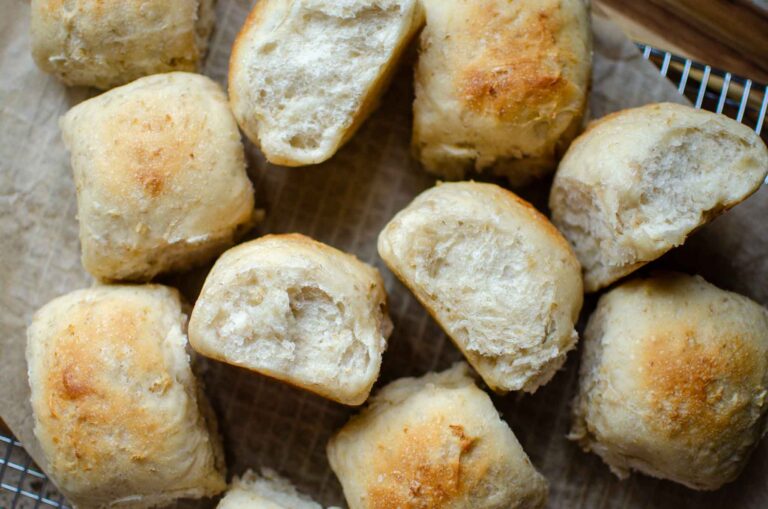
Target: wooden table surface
731 35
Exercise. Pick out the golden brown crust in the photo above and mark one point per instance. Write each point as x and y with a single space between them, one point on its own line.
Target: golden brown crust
689 382
673 380
149 148
432 442
83 399
515 70
160 175
118 414
500 86
433 468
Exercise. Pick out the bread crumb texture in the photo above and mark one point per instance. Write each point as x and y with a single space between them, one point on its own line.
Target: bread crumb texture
304 74
639 181
298 310
495 273
265 491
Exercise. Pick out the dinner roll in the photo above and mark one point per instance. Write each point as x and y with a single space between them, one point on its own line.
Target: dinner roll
267 491
433 442
304 74
105 44
117 411
495 274
500 86
639 181
297 310
160 176
674 380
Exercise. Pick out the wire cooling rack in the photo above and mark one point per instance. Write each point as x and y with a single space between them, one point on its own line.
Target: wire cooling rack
712 89
24 486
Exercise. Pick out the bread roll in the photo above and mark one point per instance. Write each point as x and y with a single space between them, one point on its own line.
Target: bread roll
304 74
434 442
639 181
268 491
160 176
117 411
297 310
496 275
500 86
105 44
673 380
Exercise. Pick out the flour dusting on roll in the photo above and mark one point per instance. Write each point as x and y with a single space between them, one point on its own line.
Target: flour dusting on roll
434 441
673 380
120 418
106 44
160 174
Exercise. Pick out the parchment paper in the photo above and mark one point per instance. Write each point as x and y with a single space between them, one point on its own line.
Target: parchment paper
344 202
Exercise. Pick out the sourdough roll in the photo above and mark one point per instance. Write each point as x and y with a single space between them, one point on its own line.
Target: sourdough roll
106 44
265 491
500 86
495 274
160 175
304 74
639 181
295 309
432 442
118 413
673 380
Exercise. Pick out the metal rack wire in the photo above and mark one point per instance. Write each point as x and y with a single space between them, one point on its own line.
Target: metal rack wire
712 89
706 87
28 486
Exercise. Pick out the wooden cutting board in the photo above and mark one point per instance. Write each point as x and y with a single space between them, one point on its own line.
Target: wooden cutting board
731 35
